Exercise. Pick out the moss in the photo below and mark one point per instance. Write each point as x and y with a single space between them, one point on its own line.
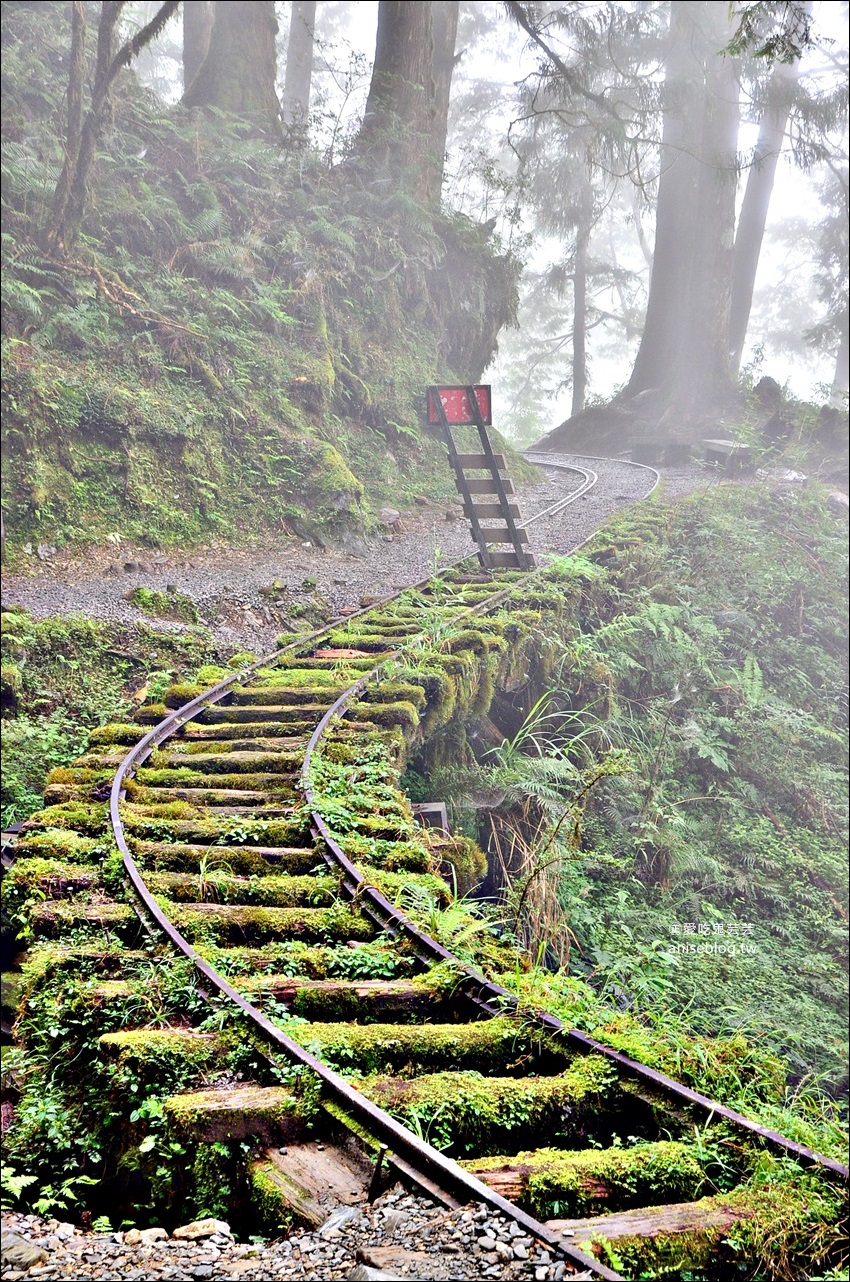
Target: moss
47 876
55 919
470 1113
194 1113
237 924
402 714
235 861
462 861
584 1182
275 891
377 1048
63 844
395 856
176 695
164 605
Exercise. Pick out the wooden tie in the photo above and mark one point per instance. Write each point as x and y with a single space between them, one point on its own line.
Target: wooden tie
486 494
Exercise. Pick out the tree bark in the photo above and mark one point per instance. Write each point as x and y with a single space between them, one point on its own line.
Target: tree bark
580 322
444 19
238 74
841 376
299 63
754 208
197 28
396 136
82 133
684 345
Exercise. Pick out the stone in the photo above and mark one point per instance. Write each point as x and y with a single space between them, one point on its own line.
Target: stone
18 1252
520 1251
132 1237
147 1237
487 1243
363 1273
202 1271
335 1221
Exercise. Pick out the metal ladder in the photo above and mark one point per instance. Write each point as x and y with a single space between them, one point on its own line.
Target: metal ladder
486 498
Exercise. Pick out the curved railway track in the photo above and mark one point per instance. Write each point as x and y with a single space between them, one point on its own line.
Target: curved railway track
240 849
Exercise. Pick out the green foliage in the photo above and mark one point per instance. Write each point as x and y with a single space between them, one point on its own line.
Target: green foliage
71 674
246 334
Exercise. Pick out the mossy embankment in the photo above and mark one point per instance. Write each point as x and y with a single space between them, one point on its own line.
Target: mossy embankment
244 336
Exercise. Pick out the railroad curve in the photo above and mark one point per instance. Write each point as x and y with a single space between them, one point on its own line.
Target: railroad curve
258 773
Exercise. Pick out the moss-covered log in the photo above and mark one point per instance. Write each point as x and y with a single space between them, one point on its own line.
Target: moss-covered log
584 1180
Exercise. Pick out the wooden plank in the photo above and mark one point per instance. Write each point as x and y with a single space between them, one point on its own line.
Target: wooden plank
480 460
313 1179
493 511
500 534
507 560
656 1221
486 486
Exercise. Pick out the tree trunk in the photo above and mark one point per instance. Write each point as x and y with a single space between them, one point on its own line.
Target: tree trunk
238 74
299 63
444 19
684 345
580 322
756 202
197 28
841 377
82 132
396 136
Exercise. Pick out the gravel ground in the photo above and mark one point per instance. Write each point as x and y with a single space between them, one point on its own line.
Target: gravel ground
226 582
398 1236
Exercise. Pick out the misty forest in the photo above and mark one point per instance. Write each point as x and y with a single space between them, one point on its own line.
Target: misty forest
462 915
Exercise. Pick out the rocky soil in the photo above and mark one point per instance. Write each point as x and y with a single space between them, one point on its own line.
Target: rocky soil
398 1236
247 595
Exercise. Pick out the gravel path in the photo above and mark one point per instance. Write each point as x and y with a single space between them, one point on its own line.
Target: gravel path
398 1236
232 586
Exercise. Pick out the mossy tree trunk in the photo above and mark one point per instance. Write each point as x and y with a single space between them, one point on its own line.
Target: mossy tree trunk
238 74
197 28
684 346
82 132
403 135
299 63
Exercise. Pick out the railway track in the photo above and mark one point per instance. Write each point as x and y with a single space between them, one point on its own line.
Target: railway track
260 832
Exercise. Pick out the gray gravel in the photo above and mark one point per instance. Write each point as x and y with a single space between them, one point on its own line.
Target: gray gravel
399 1235
226 582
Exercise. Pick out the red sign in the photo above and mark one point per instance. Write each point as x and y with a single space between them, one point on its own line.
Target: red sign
456 406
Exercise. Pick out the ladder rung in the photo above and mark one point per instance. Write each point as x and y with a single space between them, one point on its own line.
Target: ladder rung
483 486
500 534
481 460
508 560
492 511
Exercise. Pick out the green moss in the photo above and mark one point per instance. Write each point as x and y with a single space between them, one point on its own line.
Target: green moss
469 1113
164 605
238 924
377 1048
278 891
584 1182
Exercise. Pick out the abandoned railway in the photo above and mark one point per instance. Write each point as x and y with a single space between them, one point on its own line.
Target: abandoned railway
232 897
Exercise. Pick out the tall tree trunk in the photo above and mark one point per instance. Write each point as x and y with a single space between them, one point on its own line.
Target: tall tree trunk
197 28
841 377
684 345
754 208
238 73
83 131
395 137
444 19
580 322
299 63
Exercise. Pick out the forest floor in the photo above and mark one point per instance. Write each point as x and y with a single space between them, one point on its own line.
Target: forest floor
245 593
